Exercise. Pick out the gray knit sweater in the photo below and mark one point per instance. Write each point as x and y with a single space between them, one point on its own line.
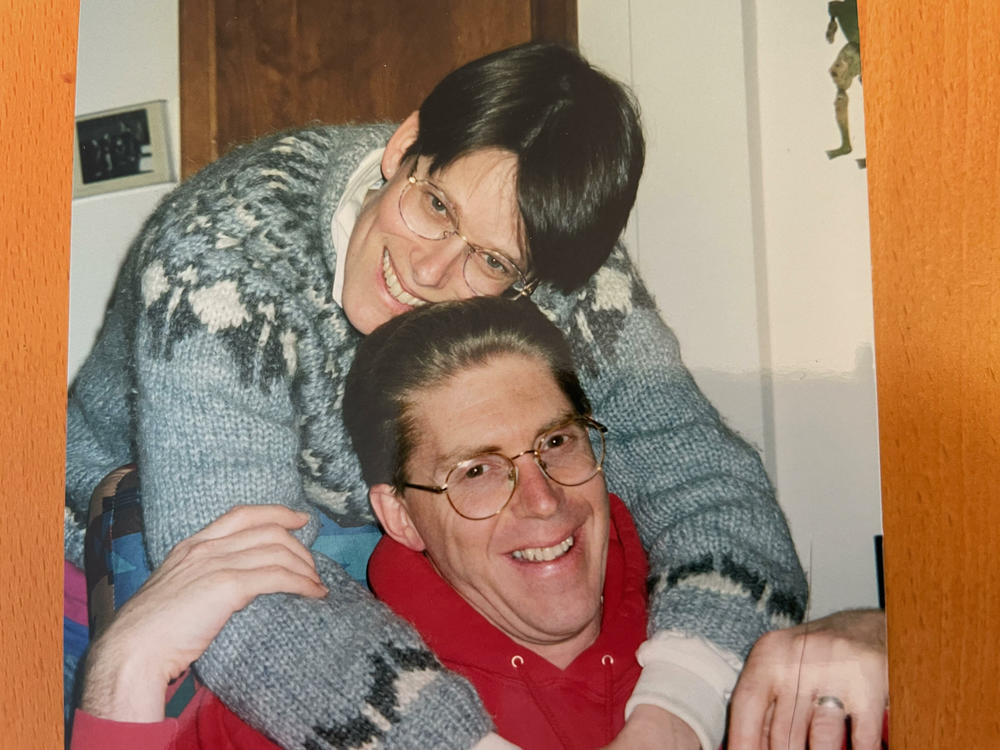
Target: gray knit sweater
220 370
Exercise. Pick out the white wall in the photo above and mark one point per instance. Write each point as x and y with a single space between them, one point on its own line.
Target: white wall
127 54
756 248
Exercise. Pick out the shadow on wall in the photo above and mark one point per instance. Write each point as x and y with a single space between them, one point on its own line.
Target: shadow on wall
820 447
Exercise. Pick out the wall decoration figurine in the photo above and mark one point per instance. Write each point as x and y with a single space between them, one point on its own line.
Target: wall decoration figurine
846 67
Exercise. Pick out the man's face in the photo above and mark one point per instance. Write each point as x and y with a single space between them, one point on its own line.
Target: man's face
389 269
503 407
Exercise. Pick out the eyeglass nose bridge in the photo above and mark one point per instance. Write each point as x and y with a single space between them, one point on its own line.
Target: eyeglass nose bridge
536 456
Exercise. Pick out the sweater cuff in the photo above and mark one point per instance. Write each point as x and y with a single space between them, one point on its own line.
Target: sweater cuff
493 741
93 733
691 678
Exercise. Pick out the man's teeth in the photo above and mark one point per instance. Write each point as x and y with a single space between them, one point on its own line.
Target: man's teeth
397 291
543 554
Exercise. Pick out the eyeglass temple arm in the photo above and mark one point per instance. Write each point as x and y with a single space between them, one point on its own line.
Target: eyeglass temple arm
426 488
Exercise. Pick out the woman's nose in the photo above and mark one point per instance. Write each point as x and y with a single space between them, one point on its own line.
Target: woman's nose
438 264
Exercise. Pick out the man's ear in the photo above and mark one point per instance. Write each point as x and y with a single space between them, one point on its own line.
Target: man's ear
394 517
401 140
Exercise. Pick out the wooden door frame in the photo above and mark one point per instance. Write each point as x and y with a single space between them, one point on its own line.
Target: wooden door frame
551 20
933 179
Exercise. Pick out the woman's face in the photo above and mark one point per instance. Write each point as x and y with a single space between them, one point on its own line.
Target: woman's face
389 269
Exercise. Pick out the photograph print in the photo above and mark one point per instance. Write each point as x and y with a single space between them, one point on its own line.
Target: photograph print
120 149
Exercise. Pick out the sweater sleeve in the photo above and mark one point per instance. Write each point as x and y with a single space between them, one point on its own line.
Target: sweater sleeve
723 566
220 331
338 672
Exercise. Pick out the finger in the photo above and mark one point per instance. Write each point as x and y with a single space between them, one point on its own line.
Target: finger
866 729
200 567
242 586
746 718
826 731
790 722
239 541
244 517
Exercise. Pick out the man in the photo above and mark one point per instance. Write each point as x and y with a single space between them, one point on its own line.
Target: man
518 561
220 370
484 463
510 561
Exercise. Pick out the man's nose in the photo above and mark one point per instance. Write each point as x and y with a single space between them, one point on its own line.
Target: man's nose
437 264
535 495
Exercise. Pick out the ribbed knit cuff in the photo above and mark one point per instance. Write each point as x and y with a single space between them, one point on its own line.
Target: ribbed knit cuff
494 742
689 677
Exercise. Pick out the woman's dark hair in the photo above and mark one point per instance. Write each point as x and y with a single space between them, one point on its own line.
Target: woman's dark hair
578 141
424 348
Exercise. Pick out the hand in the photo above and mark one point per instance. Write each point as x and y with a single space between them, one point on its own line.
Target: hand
654 727
184 604
842 655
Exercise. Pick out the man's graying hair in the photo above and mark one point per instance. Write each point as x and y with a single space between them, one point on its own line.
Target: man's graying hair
577 138
424 348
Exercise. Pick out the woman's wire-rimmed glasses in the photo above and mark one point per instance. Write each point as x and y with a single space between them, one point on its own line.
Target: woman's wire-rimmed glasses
480 487
427 212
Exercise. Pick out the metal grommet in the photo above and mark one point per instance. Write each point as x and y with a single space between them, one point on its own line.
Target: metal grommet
607 659
516 661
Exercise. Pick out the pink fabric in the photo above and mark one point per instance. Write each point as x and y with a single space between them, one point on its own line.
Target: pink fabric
74 593
205 724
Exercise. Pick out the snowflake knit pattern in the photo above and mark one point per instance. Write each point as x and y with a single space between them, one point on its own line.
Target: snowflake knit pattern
220 371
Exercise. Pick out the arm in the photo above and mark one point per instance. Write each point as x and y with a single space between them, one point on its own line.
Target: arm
170 621
724 570
239 355
843 656
337 671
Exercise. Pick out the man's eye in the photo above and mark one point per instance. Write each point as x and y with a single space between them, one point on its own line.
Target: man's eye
556 440
475 472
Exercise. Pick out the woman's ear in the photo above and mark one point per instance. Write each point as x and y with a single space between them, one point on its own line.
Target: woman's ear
394 517
401 140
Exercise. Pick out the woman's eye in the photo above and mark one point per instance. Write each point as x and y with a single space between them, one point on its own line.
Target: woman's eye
495 263
438 205
496 266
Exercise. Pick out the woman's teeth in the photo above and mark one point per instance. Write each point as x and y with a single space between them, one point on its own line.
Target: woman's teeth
543 554
398 293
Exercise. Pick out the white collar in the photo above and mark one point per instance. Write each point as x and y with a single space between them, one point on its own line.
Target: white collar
367 176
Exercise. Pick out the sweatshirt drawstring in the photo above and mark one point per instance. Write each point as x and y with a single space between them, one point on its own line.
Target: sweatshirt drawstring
607 662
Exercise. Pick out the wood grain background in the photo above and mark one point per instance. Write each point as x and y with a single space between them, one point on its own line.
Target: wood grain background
37 69
931 78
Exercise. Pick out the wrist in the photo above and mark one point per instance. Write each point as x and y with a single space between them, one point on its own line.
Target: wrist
655 727
121 685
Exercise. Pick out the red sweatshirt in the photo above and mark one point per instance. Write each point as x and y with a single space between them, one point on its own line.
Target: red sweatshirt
534 704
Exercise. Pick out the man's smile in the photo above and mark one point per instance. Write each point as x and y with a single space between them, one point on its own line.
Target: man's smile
543 554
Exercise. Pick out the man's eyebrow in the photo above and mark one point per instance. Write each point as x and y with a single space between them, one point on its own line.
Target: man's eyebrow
447 461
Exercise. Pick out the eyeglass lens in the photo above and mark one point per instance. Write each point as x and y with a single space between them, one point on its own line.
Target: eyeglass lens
428 213
569 455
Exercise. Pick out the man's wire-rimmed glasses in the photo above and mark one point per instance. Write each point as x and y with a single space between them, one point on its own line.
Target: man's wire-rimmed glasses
427 211
481 486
